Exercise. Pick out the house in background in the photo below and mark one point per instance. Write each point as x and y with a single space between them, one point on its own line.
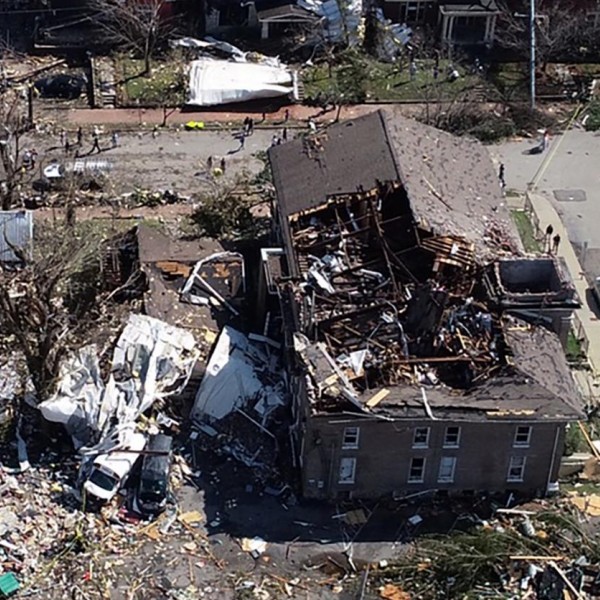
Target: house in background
420 358
16 236
458 22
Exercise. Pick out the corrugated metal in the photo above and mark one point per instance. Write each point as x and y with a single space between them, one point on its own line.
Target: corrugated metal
16 227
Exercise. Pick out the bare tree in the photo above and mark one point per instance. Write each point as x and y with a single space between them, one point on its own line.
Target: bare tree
53 303
12 123
141 27
560 31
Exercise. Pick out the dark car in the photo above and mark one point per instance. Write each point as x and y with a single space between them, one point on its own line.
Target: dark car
153 492
64 86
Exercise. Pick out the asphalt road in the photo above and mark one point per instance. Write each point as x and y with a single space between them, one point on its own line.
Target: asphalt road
570 179
175 160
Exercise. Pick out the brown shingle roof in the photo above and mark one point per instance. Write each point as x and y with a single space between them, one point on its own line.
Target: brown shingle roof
450 181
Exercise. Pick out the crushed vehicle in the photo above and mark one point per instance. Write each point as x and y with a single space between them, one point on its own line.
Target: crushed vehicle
68 87
152 492
107 472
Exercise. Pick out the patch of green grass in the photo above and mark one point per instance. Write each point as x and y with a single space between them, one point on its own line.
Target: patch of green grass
592 122
526 231
164 86
378 81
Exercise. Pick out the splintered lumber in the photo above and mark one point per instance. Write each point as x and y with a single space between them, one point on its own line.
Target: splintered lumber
378 397
588 439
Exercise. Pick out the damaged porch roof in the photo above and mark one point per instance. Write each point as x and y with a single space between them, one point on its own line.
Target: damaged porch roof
451 183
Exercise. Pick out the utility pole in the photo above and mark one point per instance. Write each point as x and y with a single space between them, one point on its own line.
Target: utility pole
532 52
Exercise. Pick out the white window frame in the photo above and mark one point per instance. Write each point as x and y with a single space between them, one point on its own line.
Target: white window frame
412 479
448 444
519 443
425 444
353 445
516 462
416 7
345 461
452 463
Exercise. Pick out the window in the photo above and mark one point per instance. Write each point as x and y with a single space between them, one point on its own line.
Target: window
447 467
347 470
413 11
350 441
516 468
421 437
417 470
522 436
452 437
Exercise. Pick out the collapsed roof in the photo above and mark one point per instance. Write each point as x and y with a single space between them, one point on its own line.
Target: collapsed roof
389 227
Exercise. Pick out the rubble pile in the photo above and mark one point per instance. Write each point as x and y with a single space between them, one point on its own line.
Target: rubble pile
383 315
541 550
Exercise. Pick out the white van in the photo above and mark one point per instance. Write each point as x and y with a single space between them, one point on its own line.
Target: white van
108 471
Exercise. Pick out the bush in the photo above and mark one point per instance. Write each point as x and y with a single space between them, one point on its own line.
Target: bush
592 122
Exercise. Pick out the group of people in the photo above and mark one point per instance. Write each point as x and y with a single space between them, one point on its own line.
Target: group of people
68 144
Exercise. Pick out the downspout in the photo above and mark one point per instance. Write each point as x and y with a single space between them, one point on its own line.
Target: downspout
553 458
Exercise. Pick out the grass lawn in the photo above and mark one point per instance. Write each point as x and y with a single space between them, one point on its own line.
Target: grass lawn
526 231
165 86
379 81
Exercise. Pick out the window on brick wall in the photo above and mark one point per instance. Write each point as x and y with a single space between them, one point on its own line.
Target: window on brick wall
351 436
522 436
416 473
516 469
421 437
447 468
347 469
452 437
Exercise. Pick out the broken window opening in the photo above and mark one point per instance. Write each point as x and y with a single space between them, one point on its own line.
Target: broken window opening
516 469
347 470
416 473
351 437
522 436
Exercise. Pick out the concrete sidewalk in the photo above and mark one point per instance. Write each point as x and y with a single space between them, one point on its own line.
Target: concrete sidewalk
590 324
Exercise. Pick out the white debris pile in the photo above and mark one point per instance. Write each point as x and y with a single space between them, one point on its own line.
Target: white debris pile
151 361
243 386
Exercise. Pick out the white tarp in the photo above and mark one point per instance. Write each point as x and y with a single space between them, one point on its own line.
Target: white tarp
152 360
240 372
214 82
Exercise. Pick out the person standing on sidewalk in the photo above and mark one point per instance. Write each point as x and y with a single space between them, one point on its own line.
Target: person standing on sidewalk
223 165
501 175
555 243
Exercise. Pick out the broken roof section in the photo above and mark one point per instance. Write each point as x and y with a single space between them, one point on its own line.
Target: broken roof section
534 382
193 284
450 182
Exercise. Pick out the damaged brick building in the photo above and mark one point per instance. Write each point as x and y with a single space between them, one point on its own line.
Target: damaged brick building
423 346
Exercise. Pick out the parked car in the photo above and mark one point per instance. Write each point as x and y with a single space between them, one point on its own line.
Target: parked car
109 471
152 492
62 85
596 289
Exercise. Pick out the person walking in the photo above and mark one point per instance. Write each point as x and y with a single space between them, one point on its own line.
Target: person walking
501 176
250 125
555 243
548 237
223 165
63 136
209 163
286 115
284 134
79 136
115 139
67 147
96 142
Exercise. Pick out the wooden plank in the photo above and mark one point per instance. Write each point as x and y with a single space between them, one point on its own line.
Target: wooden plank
588 439
378 397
